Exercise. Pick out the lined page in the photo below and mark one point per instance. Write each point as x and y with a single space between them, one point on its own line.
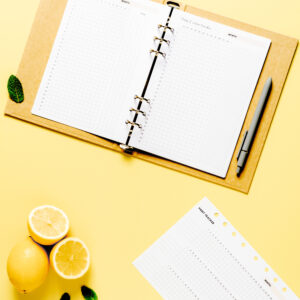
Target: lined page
201 92
99 61
203 257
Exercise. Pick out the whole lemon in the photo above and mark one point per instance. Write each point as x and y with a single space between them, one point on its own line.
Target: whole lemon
27 266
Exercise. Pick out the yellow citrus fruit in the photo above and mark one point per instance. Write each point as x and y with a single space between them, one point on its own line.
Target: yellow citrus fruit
70 258
47 224
27 266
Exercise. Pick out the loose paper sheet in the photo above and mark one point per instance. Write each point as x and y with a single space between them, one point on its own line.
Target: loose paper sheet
203 257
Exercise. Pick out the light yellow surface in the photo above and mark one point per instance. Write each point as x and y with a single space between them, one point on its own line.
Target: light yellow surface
120 206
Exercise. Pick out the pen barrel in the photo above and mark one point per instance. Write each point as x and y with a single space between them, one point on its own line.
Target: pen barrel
258 114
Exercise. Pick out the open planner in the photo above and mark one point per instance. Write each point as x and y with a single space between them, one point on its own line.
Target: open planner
152 78
203 257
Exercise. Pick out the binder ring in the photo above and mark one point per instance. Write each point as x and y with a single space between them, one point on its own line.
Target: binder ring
138 111
166 27
158 53
142 99
133 124
162 40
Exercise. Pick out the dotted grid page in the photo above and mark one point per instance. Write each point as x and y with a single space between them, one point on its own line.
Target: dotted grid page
203 257
97 64
201 92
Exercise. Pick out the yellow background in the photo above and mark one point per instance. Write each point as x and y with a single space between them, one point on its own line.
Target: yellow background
120 206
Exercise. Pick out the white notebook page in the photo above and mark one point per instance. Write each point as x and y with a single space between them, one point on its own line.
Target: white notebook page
99 61
203 257
200 93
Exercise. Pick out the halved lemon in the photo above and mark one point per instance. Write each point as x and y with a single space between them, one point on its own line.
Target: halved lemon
70 258
47 224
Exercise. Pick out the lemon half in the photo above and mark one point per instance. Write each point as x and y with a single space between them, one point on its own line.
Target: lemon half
70 258
47 224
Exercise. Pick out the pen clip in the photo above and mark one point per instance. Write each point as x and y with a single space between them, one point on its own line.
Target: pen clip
244 138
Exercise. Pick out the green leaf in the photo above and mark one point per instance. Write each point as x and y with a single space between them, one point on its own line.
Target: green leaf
65 296
88 293
15 89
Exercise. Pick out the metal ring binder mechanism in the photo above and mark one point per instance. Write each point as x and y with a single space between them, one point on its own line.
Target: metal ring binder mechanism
161 40
138 111
133 123
166 27
158 53
142 99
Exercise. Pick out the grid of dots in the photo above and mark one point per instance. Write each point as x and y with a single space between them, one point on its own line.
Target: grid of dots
202 264
182 111
97 57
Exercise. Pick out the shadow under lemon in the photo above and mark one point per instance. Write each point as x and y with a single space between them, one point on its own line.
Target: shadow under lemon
60 285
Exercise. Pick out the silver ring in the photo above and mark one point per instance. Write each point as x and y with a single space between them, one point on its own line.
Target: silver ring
162 40
166 27
158 53
138 111
142 99
133 124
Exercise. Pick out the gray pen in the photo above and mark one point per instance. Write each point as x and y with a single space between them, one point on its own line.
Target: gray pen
250 134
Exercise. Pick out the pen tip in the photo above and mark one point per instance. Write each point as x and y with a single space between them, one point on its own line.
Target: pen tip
238 171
